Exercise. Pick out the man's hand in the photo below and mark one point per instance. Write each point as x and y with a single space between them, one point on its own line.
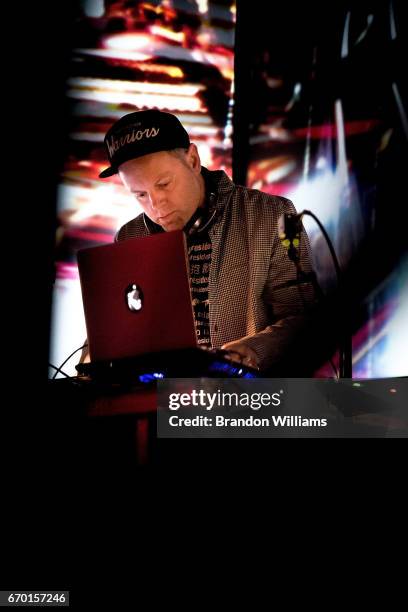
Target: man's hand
239 351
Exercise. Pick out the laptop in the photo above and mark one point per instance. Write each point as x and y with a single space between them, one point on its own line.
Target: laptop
139 314
136 297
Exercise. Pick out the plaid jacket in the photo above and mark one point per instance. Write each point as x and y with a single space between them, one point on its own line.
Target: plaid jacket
250 292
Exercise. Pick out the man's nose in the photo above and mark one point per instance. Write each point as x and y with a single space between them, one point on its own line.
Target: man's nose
156 200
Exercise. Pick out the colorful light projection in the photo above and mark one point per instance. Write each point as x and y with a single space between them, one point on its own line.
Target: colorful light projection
328 130
173 55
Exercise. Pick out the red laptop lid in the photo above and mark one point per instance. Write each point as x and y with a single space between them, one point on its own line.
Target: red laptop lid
136 296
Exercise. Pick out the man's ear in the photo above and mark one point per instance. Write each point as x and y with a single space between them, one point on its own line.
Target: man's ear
193 157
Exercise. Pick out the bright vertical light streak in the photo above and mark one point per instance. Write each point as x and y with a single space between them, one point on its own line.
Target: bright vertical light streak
344 43
94 8
394 361
202 6
385 353
341 144
401 108
370 19
68 318
393 27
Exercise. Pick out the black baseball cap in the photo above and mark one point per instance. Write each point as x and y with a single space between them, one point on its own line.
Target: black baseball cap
141 133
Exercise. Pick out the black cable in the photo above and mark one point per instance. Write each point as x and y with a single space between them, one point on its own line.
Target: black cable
67 359
75 380
329 242
345 348
320 296
291 239
50 365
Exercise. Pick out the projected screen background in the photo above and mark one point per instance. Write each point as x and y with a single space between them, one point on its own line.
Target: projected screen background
173 55
325 124
328 129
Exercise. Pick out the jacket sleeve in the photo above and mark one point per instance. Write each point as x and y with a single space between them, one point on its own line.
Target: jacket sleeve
290 298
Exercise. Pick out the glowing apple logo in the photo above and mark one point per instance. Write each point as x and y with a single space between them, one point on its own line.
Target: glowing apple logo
134 297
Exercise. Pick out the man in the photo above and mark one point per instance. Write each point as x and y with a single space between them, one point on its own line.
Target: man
247 295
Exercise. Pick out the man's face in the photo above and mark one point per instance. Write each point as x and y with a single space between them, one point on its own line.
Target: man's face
169 188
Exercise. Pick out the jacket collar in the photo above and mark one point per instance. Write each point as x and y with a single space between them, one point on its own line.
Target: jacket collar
218 183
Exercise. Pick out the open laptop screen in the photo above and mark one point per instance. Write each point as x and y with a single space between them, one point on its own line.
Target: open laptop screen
136 296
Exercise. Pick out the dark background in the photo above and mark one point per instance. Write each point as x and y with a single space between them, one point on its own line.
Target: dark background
44 506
